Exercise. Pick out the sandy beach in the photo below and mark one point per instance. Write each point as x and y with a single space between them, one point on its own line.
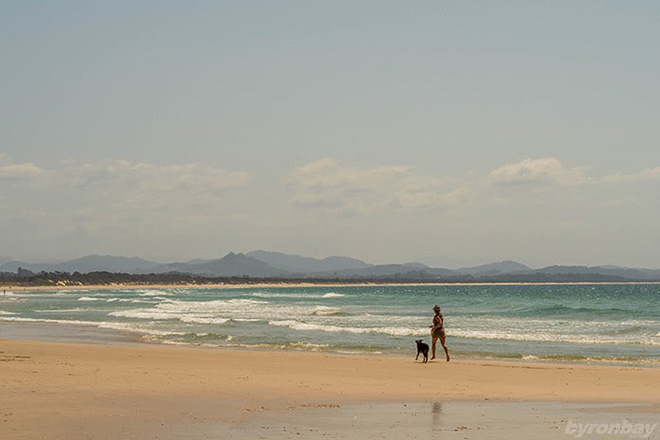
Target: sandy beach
128 286
123 286
78 391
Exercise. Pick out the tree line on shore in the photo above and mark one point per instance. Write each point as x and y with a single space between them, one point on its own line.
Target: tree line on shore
27 278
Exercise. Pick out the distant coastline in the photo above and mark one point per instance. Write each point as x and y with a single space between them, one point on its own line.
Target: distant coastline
289 283
279 268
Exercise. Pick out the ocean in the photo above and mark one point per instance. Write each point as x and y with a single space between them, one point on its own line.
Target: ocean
601 323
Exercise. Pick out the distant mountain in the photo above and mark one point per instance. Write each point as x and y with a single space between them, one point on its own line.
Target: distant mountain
89 263
306 265
381 270
198 261
186 267
261 263
231 265
12 266
342 263
417 266
448 262
498 268
613 271
108 263
408 270
238 265
651 274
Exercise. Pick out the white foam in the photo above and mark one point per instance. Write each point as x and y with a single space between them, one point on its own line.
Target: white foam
547 337
3 313
31 294
325 311
238 310
203 320
11 296
392 331
89 298
150 314
283 295
295 295
138 329
156 314
308 346
55 321
333 295
154 292
100 324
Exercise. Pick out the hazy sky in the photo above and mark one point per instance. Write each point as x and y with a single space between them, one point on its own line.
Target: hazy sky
441 132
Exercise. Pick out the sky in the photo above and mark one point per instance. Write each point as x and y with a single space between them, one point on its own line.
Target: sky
449 133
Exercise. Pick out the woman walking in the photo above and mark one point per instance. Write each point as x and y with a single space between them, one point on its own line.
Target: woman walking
438 332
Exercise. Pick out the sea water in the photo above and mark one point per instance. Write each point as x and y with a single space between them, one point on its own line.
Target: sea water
563 322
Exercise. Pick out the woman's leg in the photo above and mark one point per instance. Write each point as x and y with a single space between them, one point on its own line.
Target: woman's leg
444 345
435 341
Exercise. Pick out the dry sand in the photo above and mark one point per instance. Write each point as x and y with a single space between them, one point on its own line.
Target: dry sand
77 391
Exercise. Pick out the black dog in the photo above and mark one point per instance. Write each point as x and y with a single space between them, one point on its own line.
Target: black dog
422 348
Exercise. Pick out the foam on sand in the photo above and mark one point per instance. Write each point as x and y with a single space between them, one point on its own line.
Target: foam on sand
133 328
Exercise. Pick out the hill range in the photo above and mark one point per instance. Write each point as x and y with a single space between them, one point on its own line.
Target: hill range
265 264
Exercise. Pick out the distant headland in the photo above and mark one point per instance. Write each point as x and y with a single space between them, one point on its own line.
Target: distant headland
260 266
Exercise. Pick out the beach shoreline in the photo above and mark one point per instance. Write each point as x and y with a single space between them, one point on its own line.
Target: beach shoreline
336 319
74 390
73 333
295 284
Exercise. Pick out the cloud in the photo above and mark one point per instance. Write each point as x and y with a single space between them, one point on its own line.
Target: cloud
325 184
22 171
647 174
151 178
332 187
326 173
122 186
536 171
19 172
144 186
432 199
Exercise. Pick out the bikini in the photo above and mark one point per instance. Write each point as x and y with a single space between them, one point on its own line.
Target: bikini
439 331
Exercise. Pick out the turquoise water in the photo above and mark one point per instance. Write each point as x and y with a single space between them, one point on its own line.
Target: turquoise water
608 323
